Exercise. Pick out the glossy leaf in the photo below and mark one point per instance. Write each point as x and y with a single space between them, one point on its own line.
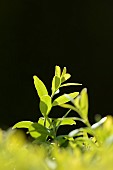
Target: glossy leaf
22 124
57 71
73 133
63 72
63 99
58 91
96 125
45 105
40 87
55 84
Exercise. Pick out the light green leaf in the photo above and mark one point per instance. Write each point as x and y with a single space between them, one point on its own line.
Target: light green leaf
84 103
77 102
66 121
45 105
65 77
70 84
63 99
55 84
42 119
68 106
63 72
57 71
40 87
22 124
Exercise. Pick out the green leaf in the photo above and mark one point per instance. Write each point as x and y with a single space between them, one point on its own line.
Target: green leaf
45 105
63 72
68 106
65 77
42 119
84 103
77 102
40 139
66 121
63 99
57 71
40 87
37 130
55 84
70 84
62 141
22 124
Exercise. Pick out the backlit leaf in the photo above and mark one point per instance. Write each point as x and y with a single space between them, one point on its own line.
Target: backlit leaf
63 99
63 72
57 71
84 103
42 119
68 106
40 87
55 84
22 124
77 102
66 121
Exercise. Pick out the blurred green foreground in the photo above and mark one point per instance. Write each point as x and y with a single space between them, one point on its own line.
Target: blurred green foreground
16 153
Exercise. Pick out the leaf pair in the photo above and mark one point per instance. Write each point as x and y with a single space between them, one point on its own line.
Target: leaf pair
60 78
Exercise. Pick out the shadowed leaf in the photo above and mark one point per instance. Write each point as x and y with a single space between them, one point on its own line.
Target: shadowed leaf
45 105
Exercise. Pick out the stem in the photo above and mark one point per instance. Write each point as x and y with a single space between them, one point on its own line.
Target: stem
62 118
45 122
66 113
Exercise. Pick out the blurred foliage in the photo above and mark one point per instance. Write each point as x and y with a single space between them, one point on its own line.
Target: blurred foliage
85 148
17 153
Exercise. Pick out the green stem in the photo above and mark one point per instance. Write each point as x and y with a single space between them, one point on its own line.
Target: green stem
62 118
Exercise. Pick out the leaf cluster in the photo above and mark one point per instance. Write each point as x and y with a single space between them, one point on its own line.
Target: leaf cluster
45 130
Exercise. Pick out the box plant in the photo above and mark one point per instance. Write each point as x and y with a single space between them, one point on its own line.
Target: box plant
45 130
85 148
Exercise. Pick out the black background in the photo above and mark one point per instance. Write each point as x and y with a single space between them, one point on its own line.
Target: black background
37 35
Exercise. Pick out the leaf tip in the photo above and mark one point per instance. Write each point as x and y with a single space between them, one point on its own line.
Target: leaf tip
85 89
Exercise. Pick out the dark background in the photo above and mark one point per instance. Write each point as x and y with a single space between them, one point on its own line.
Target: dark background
36 35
